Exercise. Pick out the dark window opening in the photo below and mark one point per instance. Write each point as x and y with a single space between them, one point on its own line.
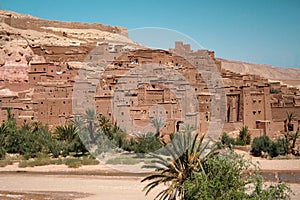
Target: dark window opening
291 127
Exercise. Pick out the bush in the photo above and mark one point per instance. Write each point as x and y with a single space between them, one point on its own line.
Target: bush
227 140
228 177
261 144
6 162
29 140
279 147
244 137
266 145
2 153
89 161
147 143
73 162
129 145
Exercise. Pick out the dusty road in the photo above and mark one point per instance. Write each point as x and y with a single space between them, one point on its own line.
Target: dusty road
93 187
82 187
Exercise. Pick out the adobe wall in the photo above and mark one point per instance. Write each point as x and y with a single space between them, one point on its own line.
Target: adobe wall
248 98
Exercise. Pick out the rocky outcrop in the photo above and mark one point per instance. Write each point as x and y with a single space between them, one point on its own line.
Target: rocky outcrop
289 76
25 39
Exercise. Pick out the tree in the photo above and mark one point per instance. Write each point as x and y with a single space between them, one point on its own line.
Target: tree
91 120
244 136
67 132
157 124
227 140
261 144
293 137
106 126
290 136
3 132
147 143
290 116
229 176
187 155
10 121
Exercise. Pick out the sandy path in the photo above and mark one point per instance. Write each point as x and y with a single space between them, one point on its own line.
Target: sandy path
99 187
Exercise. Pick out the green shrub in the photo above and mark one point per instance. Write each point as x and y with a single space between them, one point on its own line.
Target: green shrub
227 177
89 161
147 143
2 153
261 144
279 147
227 140
244 137
6 162
72 162
129 145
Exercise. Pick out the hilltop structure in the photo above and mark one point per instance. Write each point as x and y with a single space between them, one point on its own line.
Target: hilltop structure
38 78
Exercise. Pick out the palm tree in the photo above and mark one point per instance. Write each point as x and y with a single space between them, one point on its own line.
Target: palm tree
90 119
106 126
11 121
157 124
288 122
245 135
67 132
187 156
293 137
3 132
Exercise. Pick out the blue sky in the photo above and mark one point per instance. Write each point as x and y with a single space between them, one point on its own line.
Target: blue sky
257 31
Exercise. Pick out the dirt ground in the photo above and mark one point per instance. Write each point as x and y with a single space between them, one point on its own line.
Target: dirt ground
67 187
60 182
85 187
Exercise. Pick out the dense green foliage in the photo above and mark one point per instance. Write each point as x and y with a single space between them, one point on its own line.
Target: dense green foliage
244 136
74 137
261 145
227 141
243 139
228 176
186 156
264 144
143 143
32 139
147 143
193 172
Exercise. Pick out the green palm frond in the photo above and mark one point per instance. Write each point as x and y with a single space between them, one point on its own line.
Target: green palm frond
186 154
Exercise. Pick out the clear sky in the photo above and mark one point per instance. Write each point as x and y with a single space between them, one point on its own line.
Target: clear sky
257 31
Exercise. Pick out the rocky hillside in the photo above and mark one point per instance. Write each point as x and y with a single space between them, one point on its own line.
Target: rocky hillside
20 34
289 76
